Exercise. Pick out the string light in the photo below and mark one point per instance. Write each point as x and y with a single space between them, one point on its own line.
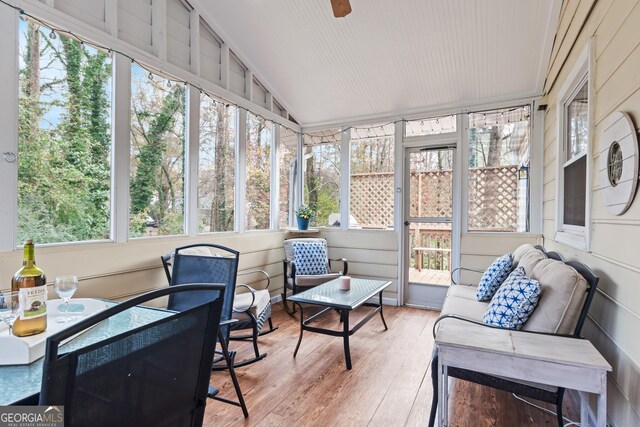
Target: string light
52 35
150 75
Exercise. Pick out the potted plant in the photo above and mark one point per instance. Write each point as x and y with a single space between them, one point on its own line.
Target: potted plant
304 215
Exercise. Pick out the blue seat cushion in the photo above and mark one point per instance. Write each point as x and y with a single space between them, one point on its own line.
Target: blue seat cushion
514 302
310 258
493 277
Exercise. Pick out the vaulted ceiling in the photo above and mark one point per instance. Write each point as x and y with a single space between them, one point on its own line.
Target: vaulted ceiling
389 57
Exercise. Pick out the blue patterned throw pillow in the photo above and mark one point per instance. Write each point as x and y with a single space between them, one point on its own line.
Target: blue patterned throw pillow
493 277
514 302
310 258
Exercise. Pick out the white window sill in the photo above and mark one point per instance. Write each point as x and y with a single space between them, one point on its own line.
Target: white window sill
575 240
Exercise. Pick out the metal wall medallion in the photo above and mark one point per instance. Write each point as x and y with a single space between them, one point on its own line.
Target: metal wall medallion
618 166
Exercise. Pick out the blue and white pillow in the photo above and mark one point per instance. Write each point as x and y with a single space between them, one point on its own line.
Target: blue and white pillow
310 258
514 302
493 277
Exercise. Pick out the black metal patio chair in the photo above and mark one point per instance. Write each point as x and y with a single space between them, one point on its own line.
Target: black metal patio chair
154 375
297 282
249 310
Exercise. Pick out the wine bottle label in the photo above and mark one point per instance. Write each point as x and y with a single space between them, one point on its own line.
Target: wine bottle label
35 302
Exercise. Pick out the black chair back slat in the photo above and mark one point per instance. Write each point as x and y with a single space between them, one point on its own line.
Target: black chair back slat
222 268
154 375
592 281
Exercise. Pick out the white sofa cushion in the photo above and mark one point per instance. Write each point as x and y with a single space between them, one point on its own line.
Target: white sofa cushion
563 293
463 291
519 252
469 308
242 301
530 259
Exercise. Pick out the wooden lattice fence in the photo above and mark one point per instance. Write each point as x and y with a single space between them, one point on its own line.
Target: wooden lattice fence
493 197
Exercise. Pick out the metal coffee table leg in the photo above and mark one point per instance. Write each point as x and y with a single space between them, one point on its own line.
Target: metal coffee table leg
344 315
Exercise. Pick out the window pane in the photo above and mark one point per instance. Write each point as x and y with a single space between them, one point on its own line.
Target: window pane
578 123
322 176
157 155
499 170
434 126
216 169
371 184
575 192
64 139
258 207
288 145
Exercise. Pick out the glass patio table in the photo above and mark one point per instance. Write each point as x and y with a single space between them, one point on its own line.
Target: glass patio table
330 296
20 384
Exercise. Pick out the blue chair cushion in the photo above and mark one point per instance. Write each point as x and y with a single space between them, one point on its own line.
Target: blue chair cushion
493 277
514 302
310 258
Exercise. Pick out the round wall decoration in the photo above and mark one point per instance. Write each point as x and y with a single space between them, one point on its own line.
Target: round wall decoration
618 162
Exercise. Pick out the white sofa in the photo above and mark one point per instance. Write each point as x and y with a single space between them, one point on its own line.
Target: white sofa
567 289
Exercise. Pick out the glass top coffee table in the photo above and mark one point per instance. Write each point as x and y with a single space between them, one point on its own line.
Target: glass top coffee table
330 296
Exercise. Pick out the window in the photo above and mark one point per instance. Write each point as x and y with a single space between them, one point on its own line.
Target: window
499 160
433 126
64 139
576 142
258 195
287 152
322 175
371 184
216 169
157 155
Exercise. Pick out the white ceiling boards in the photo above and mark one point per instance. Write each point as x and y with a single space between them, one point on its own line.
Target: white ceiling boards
389 57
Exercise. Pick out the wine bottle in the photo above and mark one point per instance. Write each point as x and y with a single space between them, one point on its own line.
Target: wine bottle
31 281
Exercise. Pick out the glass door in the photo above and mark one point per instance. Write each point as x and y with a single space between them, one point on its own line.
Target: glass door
429 213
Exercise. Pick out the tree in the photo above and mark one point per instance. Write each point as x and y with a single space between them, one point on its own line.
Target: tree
64 139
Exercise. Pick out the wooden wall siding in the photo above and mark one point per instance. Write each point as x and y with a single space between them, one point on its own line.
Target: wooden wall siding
178 34
615 315
134 23
120 270
237 76
371 254
210 54
92 13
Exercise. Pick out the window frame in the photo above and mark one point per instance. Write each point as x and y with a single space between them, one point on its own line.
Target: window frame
582 73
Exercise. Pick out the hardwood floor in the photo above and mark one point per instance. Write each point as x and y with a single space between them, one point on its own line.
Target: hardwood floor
390 383
432 277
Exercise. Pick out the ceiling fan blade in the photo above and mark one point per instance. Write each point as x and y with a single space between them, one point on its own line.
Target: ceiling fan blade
341 8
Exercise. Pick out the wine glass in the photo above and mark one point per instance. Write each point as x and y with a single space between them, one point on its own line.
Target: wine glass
65 287
11 306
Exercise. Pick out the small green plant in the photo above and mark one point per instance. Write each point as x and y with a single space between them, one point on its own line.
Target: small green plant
305 212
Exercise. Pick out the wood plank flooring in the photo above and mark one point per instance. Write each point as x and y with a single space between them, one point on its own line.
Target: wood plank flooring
432 277
389 385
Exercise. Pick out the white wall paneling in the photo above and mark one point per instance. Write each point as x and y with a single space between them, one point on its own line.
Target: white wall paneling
191 167
134 23
178 28
9 125
210 54
121 153
92 12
